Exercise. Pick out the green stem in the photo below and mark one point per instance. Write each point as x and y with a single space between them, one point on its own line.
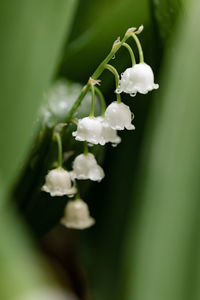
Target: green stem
85 145
130 52
59 142
93 100
77 194
141 55
115 73
113 51
102 99
78 101
99 70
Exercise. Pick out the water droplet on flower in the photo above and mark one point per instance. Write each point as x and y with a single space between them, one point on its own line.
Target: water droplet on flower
71 196
114 145
133 94
118 91
113 57
132 116
122 74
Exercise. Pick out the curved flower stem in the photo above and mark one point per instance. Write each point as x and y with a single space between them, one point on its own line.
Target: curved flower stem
99 70
77 194
103 102
85 145
115 73
59 142
117 44
141 55
128 47
93 100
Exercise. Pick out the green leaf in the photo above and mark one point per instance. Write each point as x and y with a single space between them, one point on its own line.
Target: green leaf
31 38
161 260
166 14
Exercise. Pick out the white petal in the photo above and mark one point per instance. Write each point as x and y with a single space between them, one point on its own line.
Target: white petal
118 116
86 167
58 183
77 215
89 129
139 78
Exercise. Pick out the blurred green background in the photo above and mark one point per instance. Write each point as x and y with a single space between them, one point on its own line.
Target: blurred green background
145 244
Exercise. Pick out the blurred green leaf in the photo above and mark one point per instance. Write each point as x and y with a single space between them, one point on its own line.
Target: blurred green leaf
166 14
160 260
20 266
31 37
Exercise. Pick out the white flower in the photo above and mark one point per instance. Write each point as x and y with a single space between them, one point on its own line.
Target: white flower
118 116
58 183
139 78
77 215
89 129
85 167
109 134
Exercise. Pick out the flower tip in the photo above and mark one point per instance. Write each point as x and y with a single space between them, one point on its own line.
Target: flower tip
116 43
140 29
130 31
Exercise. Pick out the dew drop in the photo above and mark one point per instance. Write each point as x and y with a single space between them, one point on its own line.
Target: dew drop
90 145
133 94
114 145
132 116
113 57
71 196
118 91
122 74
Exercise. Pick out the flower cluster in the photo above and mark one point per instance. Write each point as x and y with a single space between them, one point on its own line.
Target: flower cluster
102 129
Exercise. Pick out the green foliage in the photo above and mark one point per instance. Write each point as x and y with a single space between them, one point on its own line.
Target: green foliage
162 245
31 37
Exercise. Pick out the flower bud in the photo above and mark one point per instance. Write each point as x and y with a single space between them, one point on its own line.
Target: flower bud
139 78
118 116
85 167
58 183
77 215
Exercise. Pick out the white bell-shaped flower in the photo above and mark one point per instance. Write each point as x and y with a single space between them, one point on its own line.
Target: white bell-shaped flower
89 129
139 78
109 134
118 116
85 167
58 183
77 215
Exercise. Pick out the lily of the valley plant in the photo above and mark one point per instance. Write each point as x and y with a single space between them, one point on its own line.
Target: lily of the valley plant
139 78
